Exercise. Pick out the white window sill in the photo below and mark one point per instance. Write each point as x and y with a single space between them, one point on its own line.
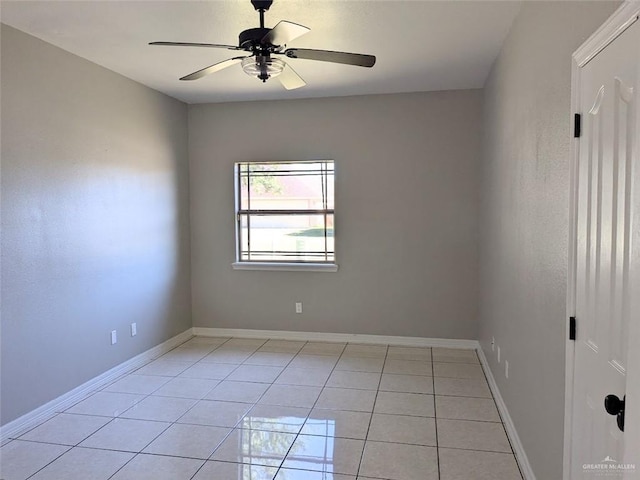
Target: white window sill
286 267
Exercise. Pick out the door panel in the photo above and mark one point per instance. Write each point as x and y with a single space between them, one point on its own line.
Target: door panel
604 212
621 241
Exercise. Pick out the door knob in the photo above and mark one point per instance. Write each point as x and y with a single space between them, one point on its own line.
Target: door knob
614 406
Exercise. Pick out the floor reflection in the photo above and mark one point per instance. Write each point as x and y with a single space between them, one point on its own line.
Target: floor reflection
258 419
262 446
312 453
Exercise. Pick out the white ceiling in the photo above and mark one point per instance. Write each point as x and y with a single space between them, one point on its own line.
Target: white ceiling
419 45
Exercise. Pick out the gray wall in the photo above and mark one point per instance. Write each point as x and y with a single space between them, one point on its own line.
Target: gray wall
406 214
525 221
95 225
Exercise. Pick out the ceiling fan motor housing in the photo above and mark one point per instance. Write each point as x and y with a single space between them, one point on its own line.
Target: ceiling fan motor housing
252 37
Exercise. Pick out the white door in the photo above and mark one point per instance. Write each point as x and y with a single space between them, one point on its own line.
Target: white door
606 254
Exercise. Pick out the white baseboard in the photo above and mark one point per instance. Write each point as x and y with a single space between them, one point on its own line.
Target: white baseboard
336 337
30 420
518 449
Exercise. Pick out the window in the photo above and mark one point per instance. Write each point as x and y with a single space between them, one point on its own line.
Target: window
285 214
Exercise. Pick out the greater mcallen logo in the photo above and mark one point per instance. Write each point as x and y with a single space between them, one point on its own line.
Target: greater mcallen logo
608 465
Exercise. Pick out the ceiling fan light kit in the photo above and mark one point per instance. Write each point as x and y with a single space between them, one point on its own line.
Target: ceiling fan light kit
262 43
262 67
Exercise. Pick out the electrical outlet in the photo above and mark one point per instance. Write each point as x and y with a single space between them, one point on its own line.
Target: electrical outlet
506 368
114 337
134 329
498 354
298 307
493 343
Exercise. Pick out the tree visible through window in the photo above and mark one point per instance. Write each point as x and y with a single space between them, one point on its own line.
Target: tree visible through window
285 212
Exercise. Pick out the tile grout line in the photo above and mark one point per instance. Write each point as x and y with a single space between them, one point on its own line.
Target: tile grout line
49 463
133 372
144 396
220 381
192 362
77 445
232 428
435 413
375 400
249 410
43 442
199 400
273 383
136 454
99 389
311 409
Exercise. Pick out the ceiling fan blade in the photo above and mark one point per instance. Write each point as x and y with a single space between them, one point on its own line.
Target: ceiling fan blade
284 32
216 67
356 59
290 79
187 44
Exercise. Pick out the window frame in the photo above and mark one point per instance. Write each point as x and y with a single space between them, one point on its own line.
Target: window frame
277 265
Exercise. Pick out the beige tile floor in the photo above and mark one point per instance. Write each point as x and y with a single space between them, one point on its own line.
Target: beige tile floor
247 409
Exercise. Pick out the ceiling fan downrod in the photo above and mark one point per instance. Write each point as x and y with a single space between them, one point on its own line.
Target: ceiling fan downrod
251 39
261 6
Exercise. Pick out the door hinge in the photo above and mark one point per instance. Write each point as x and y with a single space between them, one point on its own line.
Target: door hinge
577 124
572 328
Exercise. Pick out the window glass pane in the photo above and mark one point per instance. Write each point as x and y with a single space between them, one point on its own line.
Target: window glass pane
243 185
287 186
287 238
244 234
285 211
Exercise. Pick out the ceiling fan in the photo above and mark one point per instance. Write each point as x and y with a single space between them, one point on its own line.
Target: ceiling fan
263 43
